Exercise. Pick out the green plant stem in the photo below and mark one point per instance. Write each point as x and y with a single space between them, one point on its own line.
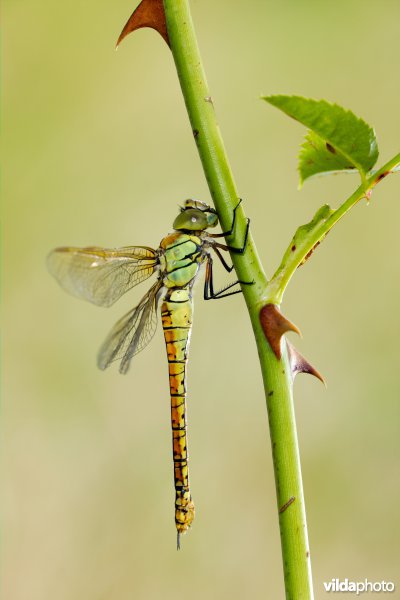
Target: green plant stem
276 373
277 285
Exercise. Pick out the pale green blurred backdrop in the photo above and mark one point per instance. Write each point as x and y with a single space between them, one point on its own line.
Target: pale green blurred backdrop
98 151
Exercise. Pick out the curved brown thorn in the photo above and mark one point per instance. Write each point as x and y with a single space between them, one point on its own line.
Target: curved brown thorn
275 325
299 364
149 13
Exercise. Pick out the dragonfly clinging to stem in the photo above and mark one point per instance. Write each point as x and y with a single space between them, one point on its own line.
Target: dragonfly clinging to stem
102 276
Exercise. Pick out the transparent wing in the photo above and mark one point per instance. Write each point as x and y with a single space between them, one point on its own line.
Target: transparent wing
101 275
131 333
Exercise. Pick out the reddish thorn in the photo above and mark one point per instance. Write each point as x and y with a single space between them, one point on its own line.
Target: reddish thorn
299 364
275 325
149 13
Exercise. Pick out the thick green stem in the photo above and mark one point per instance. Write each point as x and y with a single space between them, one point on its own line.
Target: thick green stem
276 373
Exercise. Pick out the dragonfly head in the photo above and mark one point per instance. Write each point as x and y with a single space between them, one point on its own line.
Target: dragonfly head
195 216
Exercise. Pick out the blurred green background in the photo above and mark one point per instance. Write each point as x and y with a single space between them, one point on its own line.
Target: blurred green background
98 151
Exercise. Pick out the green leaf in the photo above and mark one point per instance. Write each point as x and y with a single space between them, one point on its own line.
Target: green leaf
338 140
317 156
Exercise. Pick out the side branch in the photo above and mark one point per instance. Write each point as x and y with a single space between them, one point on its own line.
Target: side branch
308 236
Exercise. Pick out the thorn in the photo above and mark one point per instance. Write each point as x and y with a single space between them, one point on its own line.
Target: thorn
149 13
275 325
299 364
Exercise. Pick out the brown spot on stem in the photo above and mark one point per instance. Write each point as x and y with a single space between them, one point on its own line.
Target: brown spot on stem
381 176
299 364
275 325
287 504
195 133
293 248
307 256
149 13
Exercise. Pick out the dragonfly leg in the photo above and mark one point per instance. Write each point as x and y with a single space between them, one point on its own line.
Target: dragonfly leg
227 267
240 250
232 227
209 293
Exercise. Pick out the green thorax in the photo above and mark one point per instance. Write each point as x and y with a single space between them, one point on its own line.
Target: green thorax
180 258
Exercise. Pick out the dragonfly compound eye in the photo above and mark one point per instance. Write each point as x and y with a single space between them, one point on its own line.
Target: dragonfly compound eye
191 219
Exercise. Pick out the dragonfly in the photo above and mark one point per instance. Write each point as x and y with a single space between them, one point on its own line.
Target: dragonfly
102 276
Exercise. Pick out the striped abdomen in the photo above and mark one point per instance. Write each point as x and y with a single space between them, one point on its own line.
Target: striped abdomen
176 313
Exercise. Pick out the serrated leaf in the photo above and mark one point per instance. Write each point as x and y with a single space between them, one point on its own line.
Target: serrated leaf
338 139
317 156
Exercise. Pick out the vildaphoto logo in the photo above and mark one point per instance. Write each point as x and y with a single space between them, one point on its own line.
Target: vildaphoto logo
358 587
